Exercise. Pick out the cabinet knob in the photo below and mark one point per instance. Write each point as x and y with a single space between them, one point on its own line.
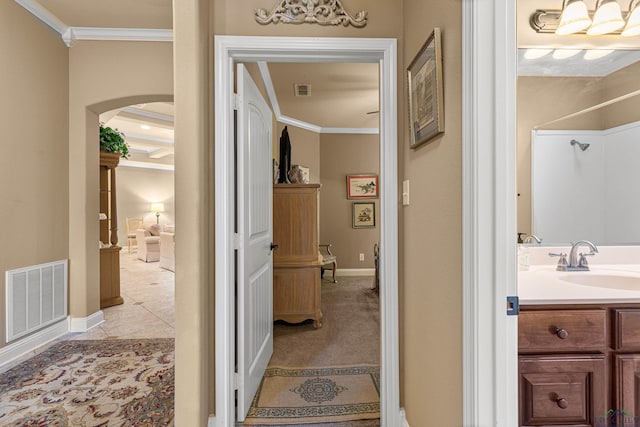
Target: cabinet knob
562 403
562 333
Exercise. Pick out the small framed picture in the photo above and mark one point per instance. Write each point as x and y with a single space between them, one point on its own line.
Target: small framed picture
364 214
362 186
424 77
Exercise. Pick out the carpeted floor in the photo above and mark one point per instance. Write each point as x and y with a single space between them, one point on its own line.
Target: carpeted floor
92 383
349 337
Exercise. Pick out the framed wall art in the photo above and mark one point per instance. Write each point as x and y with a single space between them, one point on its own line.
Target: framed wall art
364 214
424 76
362 186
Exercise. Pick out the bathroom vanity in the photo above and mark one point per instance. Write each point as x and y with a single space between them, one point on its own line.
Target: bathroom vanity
579 346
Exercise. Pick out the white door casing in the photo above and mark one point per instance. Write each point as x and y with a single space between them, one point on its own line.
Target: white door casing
229 50
255 264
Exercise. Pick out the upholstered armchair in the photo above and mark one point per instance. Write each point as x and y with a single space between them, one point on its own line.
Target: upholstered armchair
148 246
167 250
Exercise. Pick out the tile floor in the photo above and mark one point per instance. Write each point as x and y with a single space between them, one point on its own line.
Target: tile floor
149 304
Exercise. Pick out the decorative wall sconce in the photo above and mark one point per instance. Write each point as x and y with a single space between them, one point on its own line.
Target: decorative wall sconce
575 18
322 12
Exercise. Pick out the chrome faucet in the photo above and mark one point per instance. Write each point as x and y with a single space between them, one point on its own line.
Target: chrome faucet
531 238
575 264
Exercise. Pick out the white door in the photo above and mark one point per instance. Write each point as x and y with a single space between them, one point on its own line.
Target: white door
254 326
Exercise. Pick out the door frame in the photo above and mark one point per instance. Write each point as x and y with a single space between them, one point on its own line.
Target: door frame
231 49
490 337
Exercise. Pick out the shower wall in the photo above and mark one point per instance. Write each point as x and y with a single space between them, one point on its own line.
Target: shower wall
592 194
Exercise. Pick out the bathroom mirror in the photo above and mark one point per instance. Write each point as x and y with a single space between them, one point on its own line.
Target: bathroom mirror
582 89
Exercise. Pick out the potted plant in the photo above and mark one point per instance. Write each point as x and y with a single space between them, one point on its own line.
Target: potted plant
112 141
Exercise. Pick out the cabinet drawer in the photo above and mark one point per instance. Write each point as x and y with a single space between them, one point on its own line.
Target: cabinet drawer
627 329
564 331
562 390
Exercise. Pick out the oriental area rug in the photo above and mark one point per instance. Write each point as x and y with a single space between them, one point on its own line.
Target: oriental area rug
289 396
92 383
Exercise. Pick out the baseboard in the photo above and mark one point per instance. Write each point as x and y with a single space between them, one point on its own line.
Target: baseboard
355 272
403 418
83 324
31 342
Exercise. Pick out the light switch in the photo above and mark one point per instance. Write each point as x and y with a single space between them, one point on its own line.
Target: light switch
405 193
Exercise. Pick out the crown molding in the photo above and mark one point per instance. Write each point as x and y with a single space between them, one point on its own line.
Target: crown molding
148 114
70 34
122 34
147 165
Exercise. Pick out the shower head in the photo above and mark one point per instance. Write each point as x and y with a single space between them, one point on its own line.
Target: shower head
583 146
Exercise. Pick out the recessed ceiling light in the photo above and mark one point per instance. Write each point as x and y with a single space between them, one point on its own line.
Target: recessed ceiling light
145 127
592 54
565 53
536 53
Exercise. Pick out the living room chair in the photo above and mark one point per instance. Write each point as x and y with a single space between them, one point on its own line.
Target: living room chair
148 246
132 225
328 259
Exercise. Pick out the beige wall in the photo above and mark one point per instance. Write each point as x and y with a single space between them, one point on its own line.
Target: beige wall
103 76
136 190
342 155
432 239
33 167
430 288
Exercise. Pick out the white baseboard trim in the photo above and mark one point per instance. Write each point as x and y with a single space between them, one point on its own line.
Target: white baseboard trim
403 418
31 342
83 324
355 272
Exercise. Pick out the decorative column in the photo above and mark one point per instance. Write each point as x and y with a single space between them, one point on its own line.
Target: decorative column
109 249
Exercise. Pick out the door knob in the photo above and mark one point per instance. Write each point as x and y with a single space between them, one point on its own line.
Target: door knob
274 246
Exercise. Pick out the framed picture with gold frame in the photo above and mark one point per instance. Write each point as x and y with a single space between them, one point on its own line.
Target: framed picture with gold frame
364 214
424 78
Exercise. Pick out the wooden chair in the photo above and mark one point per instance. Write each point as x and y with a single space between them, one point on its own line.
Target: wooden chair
328 259
132 225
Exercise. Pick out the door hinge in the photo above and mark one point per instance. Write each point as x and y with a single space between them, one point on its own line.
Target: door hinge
236 381
236 101
237 241
513 306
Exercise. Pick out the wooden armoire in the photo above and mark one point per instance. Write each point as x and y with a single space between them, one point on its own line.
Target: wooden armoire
296 261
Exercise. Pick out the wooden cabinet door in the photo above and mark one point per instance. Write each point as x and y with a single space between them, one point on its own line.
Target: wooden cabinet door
562 390
627 390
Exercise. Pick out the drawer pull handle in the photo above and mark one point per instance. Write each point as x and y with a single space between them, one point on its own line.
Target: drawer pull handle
562 403
562 333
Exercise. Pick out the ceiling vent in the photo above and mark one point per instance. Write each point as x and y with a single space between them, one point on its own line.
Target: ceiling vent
302 89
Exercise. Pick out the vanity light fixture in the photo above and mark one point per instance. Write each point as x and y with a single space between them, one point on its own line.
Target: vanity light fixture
633 20
575 18
607 19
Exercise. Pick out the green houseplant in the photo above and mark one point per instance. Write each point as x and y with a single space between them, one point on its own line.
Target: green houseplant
112 141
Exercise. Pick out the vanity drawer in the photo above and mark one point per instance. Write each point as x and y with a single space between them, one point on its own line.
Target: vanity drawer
627 329
562 331
562 390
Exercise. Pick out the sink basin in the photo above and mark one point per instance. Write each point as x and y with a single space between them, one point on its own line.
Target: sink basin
611 281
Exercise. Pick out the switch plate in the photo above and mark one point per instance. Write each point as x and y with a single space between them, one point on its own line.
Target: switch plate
361 257
405 193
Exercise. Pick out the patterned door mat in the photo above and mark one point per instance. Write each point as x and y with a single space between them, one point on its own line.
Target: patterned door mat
92 383
290 396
